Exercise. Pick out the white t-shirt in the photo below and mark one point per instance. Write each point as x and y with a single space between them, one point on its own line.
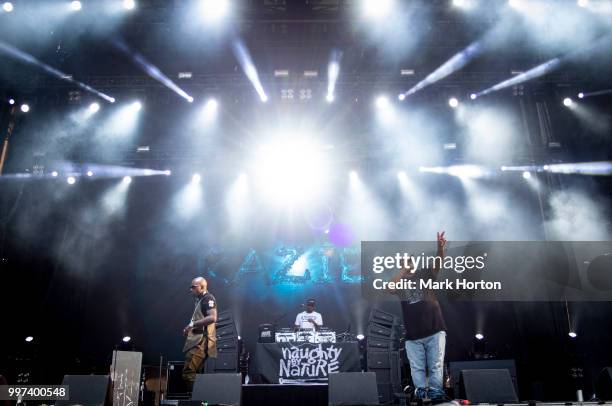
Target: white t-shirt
302 319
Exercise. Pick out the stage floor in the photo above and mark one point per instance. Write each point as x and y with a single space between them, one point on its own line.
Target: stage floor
316 395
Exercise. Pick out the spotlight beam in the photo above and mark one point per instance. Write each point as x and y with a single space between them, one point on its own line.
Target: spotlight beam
151 70
333 70
597 93
29 59
533 73
455 63
599 168
246 63
543 69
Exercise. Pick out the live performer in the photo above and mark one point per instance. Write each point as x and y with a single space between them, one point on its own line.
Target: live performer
425 329
201 340
309 319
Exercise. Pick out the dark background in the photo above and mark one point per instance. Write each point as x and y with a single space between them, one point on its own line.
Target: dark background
78 281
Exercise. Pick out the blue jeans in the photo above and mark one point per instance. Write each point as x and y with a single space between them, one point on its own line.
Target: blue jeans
427 355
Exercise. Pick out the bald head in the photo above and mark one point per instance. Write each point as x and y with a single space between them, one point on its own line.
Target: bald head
198 286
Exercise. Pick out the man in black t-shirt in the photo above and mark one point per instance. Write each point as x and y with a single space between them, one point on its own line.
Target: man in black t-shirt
201 338
425 329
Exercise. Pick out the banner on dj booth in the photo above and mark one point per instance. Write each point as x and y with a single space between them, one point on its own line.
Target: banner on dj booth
304 362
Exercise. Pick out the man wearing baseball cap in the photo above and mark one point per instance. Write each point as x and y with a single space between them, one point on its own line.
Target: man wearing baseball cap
309 319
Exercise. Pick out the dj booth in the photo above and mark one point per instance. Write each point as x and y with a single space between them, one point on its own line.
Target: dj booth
303 356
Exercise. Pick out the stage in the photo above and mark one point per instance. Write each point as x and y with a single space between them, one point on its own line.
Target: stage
316 395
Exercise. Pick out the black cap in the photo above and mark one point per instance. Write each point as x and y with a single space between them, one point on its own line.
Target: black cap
310 302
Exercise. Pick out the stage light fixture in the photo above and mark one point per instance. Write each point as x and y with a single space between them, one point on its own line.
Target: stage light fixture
567 102
29 339
196 178
581 95
212 105
329 98
583 3
377 8
54 174
215 10
382 102
126 339
137 106
89 173
479 336
129 4
25 108
473 96
127 180
572 334
526 175
401 97
453 102
71 180
167 172
7 6
263 97
360 337
11 101
94 107
76 6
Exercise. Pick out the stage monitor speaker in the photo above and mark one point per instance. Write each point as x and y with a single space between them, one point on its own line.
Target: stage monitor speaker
222 389
456 367
85 390
487 386
604 384
342 388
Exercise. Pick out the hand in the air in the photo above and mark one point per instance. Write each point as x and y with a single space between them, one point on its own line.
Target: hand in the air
441 239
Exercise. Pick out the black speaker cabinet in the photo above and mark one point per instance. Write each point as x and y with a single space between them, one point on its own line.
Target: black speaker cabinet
383 318
457 366
86 390
225 362
222 389
487 386
342 389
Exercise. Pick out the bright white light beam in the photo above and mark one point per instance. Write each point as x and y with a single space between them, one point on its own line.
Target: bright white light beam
29 59
460 171
333 70
244 58
455 63
533 73
152 70
598 168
